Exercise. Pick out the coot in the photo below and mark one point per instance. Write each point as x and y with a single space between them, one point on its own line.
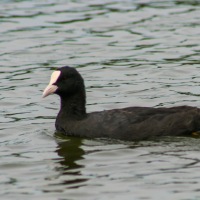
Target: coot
132 123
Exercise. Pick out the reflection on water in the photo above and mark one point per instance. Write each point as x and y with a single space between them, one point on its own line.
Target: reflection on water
128 167
141 52
71 152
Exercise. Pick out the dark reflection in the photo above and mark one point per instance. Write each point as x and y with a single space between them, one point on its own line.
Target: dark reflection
70 152
186 2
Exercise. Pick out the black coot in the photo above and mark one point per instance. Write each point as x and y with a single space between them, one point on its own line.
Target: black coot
132 123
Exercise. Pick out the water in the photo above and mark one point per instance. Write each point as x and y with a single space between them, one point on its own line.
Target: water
142 53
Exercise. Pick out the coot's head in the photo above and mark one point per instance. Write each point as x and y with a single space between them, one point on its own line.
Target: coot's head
65 81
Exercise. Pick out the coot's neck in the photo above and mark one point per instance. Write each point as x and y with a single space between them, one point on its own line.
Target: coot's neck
73 107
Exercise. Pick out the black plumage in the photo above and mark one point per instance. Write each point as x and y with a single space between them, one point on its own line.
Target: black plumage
132 123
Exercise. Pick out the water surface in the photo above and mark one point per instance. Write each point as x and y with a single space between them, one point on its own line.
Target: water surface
130 53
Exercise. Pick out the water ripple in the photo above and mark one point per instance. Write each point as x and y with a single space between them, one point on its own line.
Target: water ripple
142 53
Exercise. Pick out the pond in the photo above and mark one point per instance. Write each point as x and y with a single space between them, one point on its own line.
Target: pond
130 53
